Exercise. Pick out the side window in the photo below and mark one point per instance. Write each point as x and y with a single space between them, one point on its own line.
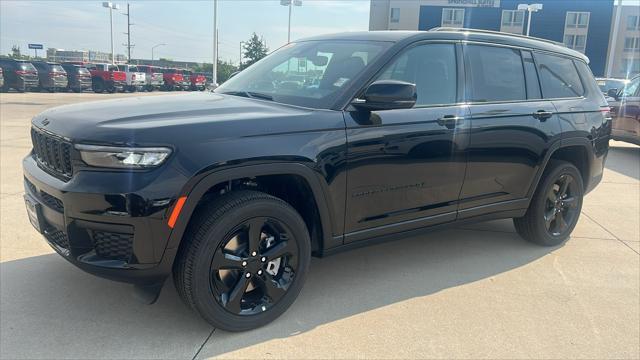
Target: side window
432 68
558 76
495 74
631 88
531 76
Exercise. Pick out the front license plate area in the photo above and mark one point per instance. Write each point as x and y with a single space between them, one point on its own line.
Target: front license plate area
34 212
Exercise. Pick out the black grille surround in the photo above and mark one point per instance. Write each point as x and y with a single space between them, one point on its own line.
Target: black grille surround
52 153
113 246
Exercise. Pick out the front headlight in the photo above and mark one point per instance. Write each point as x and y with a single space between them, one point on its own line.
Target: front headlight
122 157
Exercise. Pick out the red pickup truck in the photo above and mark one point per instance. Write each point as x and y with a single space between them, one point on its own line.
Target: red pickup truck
198 81
174 79
106 77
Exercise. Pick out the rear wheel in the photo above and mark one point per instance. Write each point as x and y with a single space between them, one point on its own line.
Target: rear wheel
245 260
555 207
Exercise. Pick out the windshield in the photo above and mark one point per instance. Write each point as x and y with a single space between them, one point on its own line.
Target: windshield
310 74
631 87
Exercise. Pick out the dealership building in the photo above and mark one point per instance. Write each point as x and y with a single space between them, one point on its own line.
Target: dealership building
585 25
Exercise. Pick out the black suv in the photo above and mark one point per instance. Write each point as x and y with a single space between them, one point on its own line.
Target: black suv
52 76
78 76
19 75
327 144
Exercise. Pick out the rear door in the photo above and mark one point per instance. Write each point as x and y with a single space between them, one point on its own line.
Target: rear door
512 129
406 166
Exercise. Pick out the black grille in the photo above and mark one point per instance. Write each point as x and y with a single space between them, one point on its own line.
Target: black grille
52 201
52 153
58 238
113 246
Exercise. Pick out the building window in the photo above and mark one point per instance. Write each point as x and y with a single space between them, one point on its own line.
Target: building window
633 22
576 42
630 67
512 21
577 19
453 17
395 15
512 18
631 44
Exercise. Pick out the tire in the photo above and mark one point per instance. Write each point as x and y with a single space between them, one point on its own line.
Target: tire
550 202
211 230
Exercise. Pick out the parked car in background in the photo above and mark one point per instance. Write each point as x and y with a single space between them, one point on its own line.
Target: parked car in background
106 77
19 75
153 77
78 77
1 79
625 111
611 86
232 192
51 76
198 81
136 80
173 79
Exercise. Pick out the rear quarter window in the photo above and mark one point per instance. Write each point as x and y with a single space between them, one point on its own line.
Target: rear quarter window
558 77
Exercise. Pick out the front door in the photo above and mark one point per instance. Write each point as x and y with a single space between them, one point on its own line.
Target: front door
406 166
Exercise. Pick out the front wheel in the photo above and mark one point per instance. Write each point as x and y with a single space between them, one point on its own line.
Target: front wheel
244 261
555 207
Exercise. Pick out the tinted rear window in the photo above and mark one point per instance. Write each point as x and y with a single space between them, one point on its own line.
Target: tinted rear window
496 74
558 76
57 68
83 71
113 68
26 66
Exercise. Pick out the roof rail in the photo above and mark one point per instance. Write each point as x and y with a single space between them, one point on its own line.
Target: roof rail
481 31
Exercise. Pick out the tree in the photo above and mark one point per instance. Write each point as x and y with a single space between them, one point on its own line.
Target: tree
254 50
15 52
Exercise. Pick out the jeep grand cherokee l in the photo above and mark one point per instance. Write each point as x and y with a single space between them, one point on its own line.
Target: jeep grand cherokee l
396 132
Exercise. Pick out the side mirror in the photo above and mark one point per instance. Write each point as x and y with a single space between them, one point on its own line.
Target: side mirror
613 93
387 95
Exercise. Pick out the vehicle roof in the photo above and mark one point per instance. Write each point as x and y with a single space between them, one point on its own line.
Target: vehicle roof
454 34
615 79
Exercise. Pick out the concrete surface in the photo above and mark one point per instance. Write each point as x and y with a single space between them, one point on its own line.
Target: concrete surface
474 292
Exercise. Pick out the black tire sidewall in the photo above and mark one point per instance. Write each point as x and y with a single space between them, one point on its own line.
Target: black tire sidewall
203 299
539 203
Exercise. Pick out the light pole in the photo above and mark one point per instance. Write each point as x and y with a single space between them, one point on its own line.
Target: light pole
153 48
530 8
290 4
214 67
111 7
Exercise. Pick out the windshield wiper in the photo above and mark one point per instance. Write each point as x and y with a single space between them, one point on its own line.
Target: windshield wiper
250 94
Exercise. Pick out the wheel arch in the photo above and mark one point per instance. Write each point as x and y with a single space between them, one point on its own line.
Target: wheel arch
577 151
202 184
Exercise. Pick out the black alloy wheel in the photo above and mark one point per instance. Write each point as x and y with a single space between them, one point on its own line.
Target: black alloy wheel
555 207
243 261
561 207
254 267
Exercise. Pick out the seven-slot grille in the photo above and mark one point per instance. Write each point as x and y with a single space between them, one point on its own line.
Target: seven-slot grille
52 153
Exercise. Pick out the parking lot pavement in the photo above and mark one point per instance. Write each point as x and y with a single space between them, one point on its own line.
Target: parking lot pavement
478 291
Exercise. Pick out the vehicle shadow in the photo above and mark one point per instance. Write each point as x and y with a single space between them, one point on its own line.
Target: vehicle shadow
42 296
619 159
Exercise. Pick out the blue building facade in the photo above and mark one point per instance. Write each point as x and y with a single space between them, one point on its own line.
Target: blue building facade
584 25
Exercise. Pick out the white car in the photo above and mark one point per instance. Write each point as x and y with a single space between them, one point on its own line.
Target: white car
136 80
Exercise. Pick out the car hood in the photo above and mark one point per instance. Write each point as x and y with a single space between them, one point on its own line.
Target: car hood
166 119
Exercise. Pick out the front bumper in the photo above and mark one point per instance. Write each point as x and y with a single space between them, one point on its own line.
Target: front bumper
95 225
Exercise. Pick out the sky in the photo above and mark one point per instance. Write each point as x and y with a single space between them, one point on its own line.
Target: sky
185 26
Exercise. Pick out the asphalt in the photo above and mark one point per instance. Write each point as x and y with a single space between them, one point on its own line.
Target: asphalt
473 292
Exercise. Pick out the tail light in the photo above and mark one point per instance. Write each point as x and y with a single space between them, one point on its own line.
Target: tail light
133 76
606 112
22 72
